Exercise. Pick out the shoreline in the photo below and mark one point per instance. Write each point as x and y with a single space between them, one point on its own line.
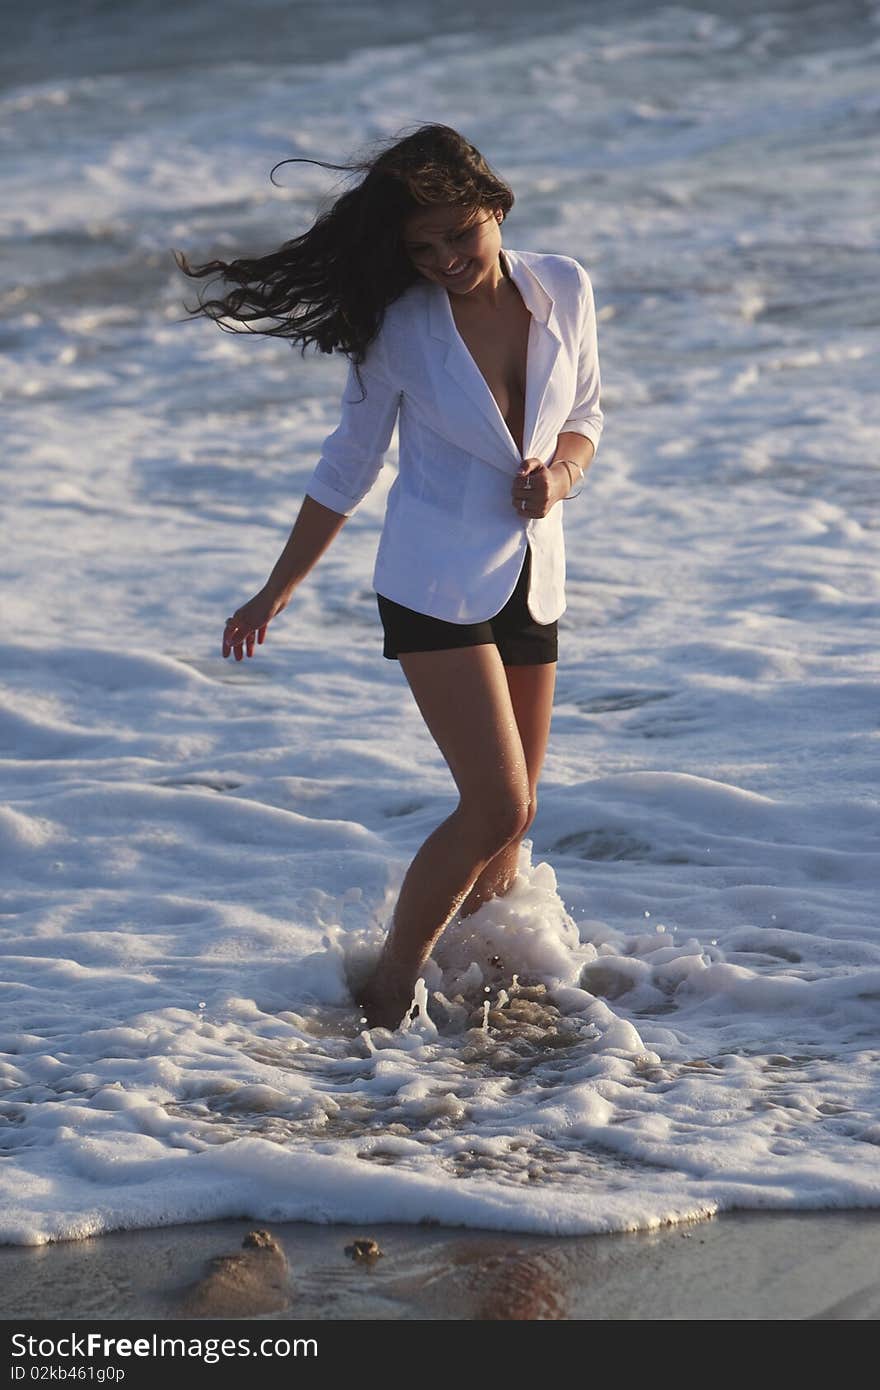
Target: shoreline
738 1265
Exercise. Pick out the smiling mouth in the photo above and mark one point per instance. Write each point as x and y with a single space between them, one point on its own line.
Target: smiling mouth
456 274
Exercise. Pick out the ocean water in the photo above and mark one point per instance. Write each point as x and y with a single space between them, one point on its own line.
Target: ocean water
676 1011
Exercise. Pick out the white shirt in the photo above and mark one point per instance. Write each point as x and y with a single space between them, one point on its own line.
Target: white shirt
452 543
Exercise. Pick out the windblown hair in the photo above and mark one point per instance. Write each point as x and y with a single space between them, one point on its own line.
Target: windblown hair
332 285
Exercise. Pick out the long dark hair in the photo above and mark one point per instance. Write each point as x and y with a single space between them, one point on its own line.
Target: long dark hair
331 285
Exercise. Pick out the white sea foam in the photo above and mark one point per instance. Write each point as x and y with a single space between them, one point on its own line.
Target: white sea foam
200 857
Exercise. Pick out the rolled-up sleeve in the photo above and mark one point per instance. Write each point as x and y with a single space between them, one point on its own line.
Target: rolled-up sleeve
586 415
352 456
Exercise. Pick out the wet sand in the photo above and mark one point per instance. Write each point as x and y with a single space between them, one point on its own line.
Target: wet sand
742 1265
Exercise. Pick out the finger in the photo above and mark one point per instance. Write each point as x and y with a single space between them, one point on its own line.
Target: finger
261 635
250 643
525 479
531 496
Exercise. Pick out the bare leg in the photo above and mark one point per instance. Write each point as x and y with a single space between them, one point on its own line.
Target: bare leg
464 696
531 693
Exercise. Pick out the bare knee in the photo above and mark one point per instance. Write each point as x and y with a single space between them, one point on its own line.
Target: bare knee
494 824
530 813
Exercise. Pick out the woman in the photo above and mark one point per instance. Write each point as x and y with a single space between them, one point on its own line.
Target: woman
487 357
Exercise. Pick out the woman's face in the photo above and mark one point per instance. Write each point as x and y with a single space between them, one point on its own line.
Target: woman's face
453 247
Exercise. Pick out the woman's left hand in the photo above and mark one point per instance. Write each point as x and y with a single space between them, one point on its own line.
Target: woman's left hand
537 488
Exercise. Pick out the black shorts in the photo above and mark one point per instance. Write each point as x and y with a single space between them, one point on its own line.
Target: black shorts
520 640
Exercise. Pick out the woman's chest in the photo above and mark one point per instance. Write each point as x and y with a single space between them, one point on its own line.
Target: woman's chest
498 344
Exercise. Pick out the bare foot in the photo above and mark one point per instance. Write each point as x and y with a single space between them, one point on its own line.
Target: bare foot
385 1002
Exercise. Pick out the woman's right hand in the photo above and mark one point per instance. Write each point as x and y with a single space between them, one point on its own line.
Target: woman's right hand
248 624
